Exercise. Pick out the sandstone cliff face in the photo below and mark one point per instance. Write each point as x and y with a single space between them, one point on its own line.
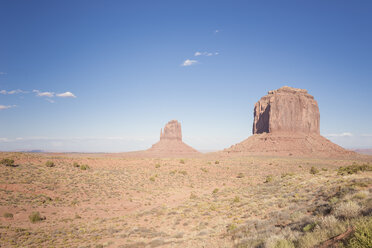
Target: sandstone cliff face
286 110
172 131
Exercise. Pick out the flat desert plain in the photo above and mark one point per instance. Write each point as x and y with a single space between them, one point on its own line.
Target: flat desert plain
209 200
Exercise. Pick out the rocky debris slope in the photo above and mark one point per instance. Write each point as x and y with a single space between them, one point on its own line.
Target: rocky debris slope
171 143
286 122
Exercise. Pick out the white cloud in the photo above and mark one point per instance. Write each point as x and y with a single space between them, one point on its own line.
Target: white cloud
11 92
2 107
50 100
205 54
189 62
216 31
46 93
66 94
345 134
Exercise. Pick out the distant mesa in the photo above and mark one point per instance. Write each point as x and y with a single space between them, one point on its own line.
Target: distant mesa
287 122
171 142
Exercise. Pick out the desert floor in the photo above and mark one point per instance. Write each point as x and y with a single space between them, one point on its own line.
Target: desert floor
206 201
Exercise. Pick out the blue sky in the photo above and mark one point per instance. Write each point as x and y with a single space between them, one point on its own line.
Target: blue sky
107 75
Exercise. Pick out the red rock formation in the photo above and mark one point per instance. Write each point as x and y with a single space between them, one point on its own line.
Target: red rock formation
172 131
286 122
286 110
170 143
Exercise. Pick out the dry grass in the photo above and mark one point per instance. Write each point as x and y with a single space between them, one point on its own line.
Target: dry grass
133 202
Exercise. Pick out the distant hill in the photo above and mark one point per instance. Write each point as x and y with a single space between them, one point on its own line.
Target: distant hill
363 151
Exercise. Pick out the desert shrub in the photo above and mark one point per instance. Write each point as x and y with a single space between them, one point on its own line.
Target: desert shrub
49 164
217 162
309 227
231 227
269 178
75 164
8 215
84 167
287 174
240 175
236 199
152 179
354 168
283 243
327 222
7 162
204 170
182 161
347 210
360 195
183 172
215 191
314 170
193 196
157 166
362 237
278 241
36 217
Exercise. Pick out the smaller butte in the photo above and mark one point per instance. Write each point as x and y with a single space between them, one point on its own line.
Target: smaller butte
171 143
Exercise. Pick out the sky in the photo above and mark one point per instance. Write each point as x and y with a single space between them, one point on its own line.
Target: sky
105 76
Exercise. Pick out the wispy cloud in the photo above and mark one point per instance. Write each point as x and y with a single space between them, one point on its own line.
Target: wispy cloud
46 93
189 62
2 107
345 134
66 94
3 73
205 53
11 92
216 31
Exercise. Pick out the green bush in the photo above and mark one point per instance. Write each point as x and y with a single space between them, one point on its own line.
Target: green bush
215 191
36 217
314 170
8 215
269 178
240 175
7 162
354 168
49 164
75 164
283 243
84 167
362 236
309 227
